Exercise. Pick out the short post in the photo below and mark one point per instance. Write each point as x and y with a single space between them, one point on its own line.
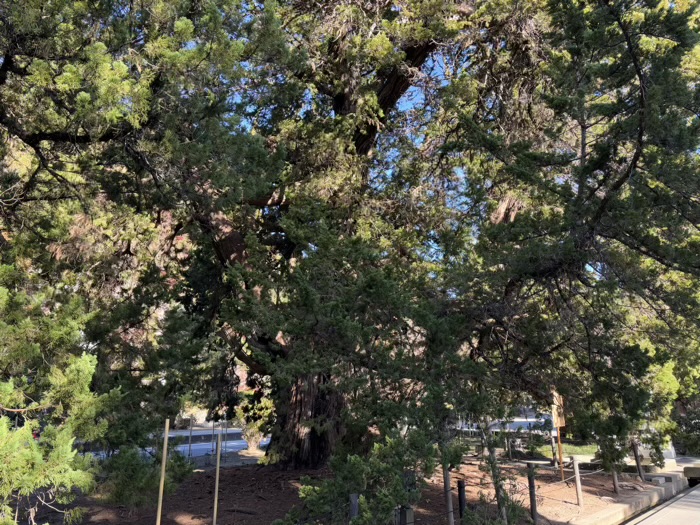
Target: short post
406 516
577 478
447 486
216 482
554 449
508 447
189 447
561 453
533 493
164 460
616 486
462 496
354 506
637 459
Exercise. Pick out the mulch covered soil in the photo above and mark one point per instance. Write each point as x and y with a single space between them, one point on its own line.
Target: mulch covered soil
256 495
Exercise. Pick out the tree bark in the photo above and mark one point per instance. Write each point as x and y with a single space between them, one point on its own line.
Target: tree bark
308 423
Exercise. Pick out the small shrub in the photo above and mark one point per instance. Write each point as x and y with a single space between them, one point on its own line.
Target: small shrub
178 468
132 479
687 435
255 413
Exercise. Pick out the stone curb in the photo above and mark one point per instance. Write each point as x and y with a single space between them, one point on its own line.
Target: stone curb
643 517
620 512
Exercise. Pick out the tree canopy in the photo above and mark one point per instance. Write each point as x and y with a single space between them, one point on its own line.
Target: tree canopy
388 213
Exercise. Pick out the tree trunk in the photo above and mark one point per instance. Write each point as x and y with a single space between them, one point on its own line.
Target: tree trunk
496 475
308 423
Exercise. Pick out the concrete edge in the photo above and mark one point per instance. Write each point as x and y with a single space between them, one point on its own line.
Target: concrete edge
618 513
662 506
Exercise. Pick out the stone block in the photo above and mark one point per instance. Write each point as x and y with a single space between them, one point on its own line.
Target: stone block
692 472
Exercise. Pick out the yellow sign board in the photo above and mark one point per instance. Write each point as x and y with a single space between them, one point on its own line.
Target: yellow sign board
558 419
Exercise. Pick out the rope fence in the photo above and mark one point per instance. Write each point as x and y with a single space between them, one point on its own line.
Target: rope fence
343 514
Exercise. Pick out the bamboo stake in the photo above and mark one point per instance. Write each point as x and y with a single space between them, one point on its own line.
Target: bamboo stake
216 483
162 471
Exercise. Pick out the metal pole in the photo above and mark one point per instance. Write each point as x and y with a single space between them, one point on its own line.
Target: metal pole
354 505
212 436
216 483
462 497
189 448
561 453
577 478
225 434
162 471
533 493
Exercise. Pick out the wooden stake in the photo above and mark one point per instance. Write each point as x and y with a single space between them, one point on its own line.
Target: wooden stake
216 482
162 471
577 478
448 494
554 449
462 496
533 493
561 453
406 516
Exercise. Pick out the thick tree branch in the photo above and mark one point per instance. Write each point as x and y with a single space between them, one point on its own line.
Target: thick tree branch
641 112
233 340
392 87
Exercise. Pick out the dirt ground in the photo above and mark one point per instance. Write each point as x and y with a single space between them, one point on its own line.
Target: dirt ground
256 495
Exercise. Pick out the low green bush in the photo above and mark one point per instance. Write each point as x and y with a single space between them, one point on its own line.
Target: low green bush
132 479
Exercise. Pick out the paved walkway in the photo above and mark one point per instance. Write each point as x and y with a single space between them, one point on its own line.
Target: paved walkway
684 509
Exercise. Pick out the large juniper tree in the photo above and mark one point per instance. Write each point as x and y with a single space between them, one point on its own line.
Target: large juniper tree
376 207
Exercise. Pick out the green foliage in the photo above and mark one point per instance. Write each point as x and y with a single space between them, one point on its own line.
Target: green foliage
45 397
391 215
483 514
391 474
569 450
255 412
687 435
133 477
48 469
